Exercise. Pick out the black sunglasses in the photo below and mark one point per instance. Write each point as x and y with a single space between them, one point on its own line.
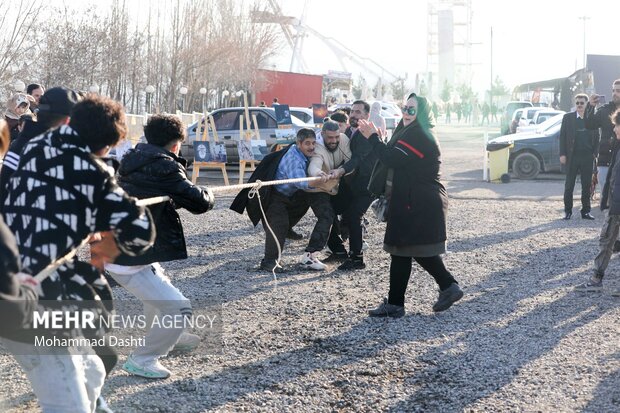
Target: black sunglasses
580 103
410 110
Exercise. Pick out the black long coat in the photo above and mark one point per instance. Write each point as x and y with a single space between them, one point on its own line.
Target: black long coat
419 203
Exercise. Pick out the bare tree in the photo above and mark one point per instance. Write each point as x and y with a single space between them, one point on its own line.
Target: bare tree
192 43
18 20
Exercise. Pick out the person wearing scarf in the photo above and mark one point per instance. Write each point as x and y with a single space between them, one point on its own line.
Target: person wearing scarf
418 204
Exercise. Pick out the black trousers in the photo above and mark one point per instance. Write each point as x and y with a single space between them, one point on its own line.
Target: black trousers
400 271
353 208
283 212
583 165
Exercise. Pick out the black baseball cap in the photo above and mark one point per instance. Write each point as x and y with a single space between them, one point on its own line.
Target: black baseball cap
58 100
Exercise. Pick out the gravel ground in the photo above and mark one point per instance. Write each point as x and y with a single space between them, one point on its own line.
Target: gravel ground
520 340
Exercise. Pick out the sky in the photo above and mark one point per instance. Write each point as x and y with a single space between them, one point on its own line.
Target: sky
532 39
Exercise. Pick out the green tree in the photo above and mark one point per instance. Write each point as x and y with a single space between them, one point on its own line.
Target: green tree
446 92
398 89
423 89
379 90
498 88
465 92
358 87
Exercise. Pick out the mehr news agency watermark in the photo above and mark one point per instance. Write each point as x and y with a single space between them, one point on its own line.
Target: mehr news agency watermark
125 328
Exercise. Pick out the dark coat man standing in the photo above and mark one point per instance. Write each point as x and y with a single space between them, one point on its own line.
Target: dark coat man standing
578 148
600 120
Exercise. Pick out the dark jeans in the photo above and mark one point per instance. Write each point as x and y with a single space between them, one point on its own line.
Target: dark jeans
283 212
400 271
352 216
584 165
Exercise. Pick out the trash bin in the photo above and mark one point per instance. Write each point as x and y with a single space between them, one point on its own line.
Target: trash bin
498 161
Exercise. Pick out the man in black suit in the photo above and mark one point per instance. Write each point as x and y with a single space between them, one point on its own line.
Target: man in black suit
578 148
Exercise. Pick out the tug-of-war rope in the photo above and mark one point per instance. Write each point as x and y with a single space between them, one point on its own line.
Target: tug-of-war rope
254 188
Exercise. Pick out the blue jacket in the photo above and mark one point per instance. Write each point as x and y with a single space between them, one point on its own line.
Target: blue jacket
265 171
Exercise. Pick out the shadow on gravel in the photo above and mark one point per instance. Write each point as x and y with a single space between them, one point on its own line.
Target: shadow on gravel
247 278
504 340
487 341
607 394
471 244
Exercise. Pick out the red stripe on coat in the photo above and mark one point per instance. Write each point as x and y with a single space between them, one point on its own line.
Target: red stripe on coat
411 148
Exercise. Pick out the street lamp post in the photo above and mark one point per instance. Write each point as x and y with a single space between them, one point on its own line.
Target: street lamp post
213 98
584 18
19 86
183 92
203 92
225 94
150 89
491 86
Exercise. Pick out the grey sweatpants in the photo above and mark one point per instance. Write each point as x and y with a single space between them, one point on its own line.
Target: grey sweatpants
609 235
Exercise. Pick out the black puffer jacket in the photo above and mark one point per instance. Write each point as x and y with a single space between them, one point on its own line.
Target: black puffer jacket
149 171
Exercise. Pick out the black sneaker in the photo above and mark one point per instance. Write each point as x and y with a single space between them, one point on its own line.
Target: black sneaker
336 257
387 310
269 265
294 235
353 263
448 297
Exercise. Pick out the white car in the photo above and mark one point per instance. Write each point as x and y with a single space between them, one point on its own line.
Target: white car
303 114
541 117
527 114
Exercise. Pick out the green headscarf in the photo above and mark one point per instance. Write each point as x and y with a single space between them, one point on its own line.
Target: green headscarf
425 119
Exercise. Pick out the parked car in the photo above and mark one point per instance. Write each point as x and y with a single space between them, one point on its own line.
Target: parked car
535 152
303 114
338 106
508 113
527 115
514 123
227 125
540 117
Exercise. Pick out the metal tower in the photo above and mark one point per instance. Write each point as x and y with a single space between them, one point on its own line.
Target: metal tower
449 25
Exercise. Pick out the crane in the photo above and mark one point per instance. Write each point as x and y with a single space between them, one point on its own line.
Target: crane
295 30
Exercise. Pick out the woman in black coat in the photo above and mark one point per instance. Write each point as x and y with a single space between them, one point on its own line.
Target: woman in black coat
418 204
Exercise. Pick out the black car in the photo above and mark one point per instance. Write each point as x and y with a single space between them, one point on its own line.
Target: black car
537 151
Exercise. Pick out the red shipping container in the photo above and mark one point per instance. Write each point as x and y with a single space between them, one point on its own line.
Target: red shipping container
293 89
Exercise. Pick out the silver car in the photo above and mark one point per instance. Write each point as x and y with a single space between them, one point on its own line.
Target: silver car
227 125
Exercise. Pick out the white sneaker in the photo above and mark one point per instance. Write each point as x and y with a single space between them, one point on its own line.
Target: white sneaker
308 260
187 342
153 370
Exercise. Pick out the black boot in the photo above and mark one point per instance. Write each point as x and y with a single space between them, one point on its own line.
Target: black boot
294 235
354 262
